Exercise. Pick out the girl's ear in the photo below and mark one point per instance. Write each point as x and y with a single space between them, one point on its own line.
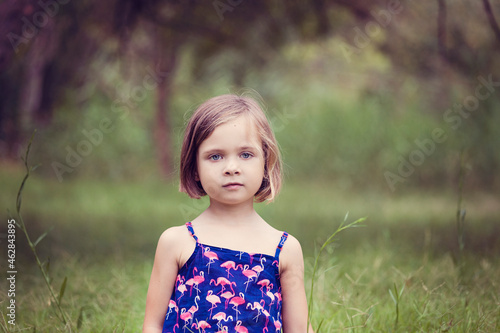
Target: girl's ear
196 177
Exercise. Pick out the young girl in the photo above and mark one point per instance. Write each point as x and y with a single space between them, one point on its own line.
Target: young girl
228 270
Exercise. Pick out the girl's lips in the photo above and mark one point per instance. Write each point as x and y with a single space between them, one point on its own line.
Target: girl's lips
232 186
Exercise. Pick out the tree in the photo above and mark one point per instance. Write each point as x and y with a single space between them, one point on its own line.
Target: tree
49 45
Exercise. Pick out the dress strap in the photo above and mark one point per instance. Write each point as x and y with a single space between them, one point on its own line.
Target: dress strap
191 231
280 245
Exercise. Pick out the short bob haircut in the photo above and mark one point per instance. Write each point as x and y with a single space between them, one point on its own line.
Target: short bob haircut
214 112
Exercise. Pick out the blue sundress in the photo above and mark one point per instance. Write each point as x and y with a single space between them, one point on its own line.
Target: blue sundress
222 290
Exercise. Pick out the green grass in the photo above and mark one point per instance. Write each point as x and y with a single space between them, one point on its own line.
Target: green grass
105 235
355 295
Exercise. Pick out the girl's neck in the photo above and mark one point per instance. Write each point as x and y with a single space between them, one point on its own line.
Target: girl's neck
232 213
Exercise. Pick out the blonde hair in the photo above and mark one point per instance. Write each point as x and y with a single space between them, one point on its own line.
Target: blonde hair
214 112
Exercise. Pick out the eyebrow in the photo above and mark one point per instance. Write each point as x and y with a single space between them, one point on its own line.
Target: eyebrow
248 148
218 150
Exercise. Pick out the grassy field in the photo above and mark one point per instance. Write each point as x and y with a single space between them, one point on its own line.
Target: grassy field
401 272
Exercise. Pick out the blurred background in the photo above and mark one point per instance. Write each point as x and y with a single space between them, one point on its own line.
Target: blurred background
386 109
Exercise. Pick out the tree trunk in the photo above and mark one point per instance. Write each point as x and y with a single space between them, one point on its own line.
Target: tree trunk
164 69
35 108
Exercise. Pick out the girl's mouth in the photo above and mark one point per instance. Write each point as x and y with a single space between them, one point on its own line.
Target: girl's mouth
232 186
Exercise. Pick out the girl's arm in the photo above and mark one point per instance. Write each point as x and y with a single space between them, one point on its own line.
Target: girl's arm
294 311
162 281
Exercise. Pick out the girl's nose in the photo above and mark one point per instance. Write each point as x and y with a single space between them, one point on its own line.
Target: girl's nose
231 168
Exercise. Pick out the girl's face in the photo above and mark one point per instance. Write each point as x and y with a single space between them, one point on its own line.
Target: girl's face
231 162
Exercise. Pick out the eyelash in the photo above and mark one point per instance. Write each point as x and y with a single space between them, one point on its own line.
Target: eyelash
211 157
247 153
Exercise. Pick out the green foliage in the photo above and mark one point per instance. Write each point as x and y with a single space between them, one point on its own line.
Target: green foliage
329 241
61 313
353 296
396 298
104 236
344 126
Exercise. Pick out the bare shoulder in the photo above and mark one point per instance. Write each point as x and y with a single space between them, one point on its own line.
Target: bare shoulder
177 243
292 247
174 234
291 254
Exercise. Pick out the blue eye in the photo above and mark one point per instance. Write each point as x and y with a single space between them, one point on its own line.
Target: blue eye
246 155
215 157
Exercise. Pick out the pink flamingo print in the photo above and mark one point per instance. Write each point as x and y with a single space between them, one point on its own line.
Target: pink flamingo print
264 283
186 316
267 314
227 295
259 268
194 308
257 306
175 326
223 330
195 281
271 296
223 282
240 329
213 299
182 288
277 325
236 301
172 305
220 317
228 265
212 256
278 297
250 274
251 257
201 325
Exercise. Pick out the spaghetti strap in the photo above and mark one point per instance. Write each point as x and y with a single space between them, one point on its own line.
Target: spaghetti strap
191 231
280 245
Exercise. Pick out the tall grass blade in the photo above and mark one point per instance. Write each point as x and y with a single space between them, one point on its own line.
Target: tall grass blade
330 240
79 321
46 268
19 198
28 169
42 236
396 298
63 289
57 300
4 324
393 297
320 324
